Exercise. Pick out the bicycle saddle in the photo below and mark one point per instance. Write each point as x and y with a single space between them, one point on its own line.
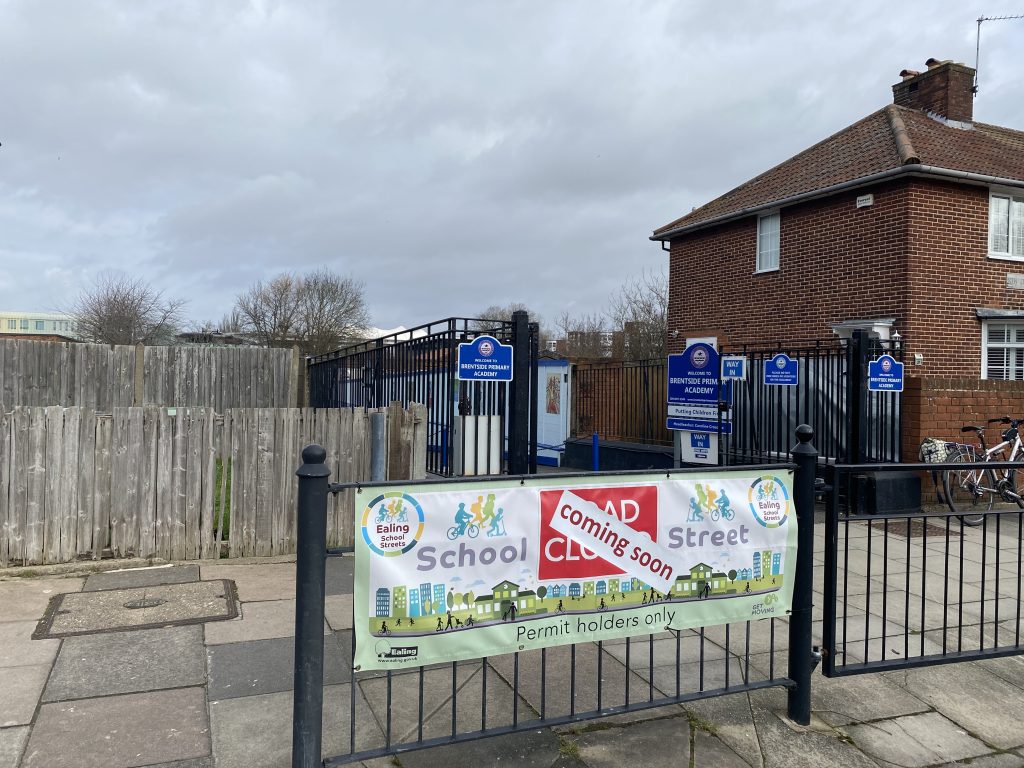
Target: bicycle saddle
979 430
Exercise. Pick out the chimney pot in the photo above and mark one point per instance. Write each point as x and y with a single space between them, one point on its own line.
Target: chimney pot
945 89
906 74
933 63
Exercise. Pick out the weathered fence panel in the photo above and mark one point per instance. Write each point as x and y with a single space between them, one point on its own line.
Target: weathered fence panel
175 483
103 377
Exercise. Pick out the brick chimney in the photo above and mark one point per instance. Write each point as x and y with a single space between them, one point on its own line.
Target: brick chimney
945 88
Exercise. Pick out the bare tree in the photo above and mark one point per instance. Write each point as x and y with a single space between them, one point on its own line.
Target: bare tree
584 335
118 309
639 309
318 311
332 311
503 312
270 311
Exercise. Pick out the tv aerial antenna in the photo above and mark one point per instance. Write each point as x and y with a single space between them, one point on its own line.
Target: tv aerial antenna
977 43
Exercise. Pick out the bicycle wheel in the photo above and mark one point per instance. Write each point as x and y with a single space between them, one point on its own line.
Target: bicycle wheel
1016 480
964 490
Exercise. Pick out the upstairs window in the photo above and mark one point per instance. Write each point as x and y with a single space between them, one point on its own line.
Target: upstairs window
40 325
12 325
1002 350
1006 226
768 242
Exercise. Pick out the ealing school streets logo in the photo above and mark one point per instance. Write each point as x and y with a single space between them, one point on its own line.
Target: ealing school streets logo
392 523
769 501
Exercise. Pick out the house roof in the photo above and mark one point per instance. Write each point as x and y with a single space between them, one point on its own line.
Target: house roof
893 141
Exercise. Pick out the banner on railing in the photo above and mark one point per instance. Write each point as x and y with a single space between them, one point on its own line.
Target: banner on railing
463 570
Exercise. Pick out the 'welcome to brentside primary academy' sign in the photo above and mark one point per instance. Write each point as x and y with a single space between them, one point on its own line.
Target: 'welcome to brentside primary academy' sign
446 572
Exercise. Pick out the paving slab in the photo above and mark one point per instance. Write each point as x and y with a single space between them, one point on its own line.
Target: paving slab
18 649
27 599
1002 760
615 747
732 722
1010 668
109 610
783 745
256 731
142 577
915 740
986 705
138 729
271 581
144 660
19 693
199 762
258 621
529 749
339 575
338 611
710 750
842 700
12 744
257 667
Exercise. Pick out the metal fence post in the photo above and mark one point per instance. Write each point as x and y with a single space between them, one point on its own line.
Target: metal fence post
801 655
519 397
595 452
310 567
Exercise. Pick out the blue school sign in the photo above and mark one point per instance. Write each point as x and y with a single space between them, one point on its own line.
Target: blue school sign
781 371
885 375
693 390
485 359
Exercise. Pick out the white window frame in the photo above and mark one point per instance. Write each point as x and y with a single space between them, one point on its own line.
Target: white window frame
1013 240
764 261
1018 347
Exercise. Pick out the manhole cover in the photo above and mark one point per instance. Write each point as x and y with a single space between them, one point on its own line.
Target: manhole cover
147 602
111 610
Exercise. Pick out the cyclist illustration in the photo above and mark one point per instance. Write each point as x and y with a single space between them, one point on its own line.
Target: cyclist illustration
463 524
766 491
382 514
722 508
384 629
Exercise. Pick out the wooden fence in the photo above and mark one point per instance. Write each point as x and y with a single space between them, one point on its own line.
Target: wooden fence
179 483
102 377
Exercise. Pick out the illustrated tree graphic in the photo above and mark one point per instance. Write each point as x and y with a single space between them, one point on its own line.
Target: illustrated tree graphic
458 600
732 575
451 600
542 592
469 598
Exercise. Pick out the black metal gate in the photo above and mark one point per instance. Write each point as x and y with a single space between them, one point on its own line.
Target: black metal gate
850 423
917 588
473 426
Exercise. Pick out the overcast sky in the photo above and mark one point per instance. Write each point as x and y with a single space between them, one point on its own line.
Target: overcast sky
450 155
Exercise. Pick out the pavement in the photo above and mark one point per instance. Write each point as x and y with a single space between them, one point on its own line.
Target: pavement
103 688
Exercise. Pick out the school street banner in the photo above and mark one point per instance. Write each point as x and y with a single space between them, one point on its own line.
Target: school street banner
463 570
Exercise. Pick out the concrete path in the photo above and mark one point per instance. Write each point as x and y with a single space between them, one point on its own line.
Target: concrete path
219 694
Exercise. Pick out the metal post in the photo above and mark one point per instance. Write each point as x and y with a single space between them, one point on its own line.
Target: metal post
310 567
677 449
377 447
802 657
856 397
519 405
595 452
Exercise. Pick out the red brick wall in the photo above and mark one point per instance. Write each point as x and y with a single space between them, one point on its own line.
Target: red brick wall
938 407
836 262
945 90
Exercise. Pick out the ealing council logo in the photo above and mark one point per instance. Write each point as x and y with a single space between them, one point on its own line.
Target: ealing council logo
769 501
392 523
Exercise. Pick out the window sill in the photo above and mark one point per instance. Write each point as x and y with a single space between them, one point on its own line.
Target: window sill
765 271
1005 257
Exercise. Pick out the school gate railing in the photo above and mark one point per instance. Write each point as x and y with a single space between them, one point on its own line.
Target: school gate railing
851 424
377 712
472 425
918 587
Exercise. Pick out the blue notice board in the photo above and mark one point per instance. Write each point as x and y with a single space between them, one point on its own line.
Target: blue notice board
485 359
694 392
734 367
781 371
885 374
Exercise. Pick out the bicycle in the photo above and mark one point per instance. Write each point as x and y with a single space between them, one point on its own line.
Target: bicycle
472 530
975 486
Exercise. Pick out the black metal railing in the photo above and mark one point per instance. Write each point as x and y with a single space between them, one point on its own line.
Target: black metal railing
420 365
917 587
386 713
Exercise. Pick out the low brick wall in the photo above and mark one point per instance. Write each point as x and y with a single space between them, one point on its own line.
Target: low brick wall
938 407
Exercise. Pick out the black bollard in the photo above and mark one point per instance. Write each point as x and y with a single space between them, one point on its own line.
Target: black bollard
801 654
310 574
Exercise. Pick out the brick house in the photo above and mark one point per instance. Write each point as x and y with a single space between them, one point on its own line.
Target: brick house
909 221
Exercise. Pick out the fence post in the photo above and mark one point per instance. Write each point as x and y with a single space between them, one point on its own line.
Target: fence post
801 655
378 445
856 397
310 572
595 452
519 405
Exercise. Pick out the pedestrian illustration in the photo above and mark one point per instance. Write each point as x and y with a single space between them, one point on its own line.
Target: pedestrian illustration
702 498
477 508
497 526
707 590
439 628
449 626
748 587
470 622
488 510
398 623
645 599
561 608
412 622
695 516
